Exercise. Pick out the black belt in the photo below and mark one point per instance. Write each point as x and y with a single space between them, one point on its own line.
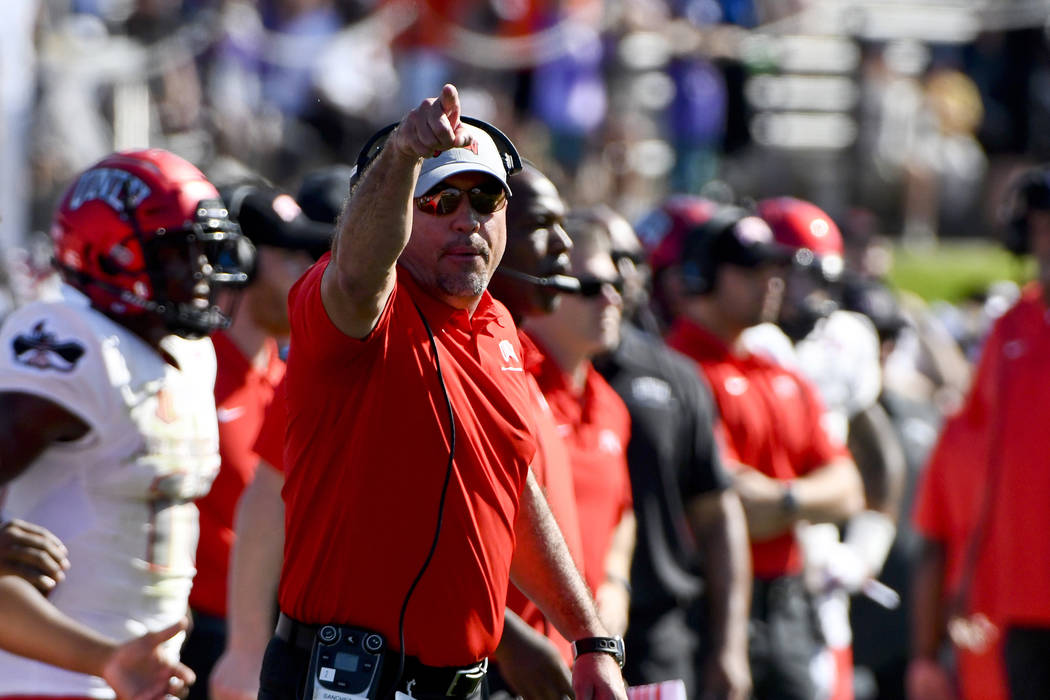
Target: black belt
450 681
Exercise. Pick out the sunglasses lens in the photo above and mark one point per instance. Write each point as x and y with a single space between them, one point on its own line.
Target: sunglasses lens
440 203
487 202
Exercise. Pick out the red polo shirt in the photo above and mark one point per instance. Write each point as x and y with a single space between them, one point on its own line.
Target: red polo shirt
366 452
596 426
269 444
553 470
947 504
242 393
771 417
1009 404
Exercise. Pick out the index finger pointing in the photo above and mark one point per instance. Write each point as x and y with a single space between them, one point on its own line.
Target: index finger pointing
450 104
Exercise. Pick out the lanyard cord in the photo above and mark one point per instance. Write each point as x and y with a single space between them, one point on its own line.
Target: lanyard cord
441 501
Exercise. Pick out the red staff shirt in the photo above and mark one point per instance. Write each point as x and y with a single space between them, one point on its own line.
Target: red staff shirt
1010 406
553 470
771 417
596 426
365 458
242 393
269 444
948 503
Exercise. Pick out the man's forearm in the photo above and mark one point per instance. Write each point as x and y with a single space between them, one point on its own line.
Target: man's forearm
543 569
256 562
830 493
34 628
719 524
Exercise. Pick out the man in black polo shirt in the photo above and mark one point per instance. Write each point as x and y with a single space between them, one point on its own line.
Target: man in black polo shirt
691 571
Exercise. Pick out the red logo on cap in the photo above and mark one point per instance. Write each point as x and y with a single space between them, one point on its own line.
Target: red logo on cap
472 146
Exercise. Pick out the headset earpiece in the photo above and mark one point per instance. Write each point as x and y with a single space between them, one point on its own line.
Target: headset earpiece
699 266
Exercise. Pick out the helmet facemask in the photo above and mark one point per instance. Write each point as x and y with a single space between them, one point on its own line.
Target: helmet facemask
188 267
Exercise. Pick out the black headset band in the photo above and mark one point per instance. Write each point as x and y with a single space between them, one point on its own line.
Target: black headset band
509 155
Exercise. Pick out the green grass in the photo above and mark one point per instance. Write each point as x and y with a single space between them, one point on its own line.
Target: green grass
953 270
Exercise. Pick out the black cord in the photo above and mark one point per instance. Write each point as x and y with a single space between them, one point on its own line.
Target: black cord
441 503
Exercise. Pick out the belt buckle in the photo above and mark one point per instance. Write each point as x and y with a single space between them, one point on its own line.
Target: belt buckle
473 674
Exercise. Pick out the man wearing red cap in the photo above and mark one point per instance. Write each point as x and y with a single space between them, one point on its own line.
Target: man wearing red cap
722 279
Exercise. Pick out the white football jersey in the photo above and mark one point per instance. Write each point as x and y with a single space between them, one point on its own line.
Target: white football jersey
120 498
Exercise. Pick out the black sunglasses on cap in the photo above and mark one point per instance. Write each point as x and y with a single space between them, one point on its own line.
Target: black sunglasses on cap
591 287
484 199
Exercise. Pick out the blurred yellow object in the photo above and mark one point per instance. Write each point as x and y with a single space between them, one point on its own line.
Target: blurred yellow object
955 100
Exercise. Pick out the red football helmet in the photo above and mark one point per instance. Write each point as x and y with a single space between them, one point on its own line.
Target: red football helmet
805 228
144 232
664 230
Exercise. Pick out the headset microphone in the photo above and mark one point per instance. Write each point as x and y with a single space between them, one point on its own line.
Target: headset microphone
561 283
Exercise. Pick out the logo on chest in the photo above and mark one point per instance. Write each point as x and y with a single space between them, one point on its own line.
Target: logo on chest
511 362
609 441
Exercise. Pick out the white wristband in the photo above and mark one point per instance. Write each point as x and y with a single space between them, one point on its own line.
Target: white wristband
870 534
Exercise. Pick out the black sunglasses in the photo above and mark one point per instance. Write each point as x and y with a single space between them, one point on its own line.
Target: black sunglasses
591 287
483 200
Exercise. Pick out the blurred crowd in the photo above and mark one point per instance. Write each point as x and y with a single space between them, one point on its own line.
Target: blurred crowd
897 140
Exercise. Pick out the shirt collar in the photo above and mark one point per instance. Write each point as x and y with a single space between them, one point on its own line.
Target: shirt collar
438 313
699 341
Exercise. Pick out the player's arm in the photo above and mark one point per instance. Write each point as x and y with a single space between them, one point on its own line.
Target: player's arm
613 595
830 493
529 662
543 569
377 223
36 629
28 425
718 522
255 571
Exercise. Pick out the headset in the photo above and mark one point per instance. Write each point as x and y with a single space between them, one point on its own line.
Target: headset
508 153
1031 192
699 251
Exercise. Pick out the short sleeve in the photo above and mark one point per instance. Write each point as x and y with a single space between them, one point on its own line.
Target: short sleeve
314 337
49 350
269 444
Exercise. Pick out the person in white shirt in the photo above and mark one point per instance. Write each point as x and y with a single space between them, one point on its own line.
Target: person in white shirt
108 429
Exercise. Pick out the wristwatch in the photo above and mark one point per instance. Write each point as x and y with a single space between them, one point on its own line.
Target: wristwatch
605 645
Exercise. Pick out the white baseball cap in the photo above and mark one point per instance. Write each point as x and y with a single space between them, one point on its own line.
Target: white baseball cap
481 156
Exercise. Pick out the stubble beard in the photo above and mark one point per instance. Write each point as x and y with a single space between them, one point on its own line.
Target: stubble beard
471 284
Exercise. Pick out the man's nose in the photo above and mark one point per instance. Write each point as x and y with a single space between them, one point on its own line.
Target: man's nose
558 240
464 218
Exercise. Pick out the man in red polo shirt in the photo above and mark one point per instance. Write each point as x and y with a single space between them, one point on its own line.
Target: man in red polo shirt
721 280
533 658
591 416
248 367
409 501
999 540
